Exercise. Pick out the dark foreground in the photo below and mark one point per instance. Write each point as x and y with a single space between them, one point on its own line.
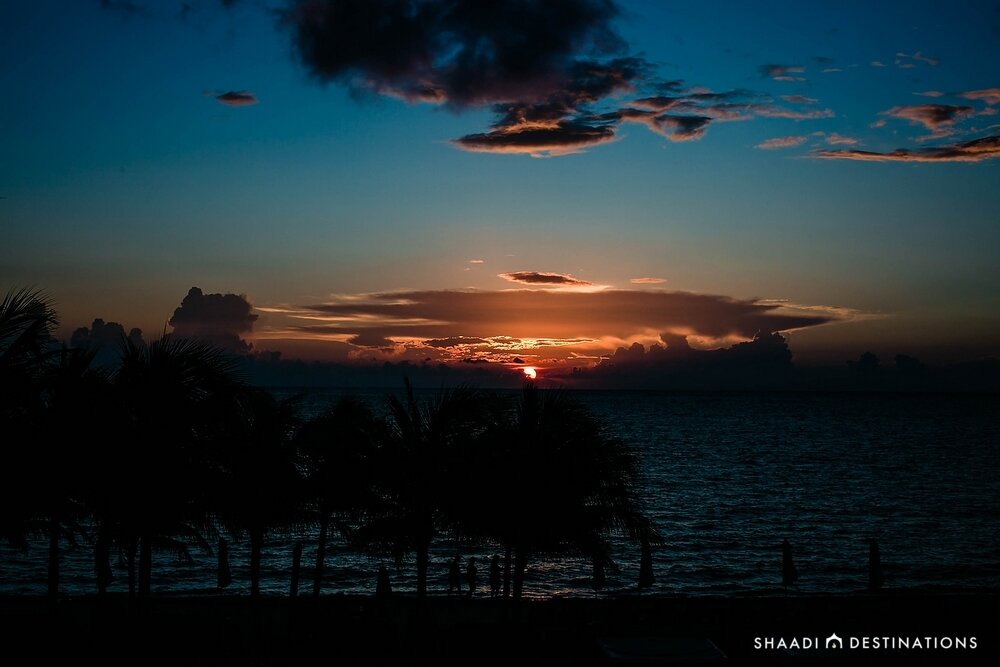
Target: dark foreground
342 630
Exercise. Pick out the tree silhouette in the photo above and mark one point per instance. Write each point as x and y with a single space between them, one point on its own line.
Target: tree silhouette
169 393
59 480
340 446
36 381
260 488
574 484
417 472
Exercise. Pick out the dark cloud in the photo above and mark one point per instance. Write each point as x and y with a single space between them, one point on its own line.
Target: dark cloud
539 278
539 65
459 52
454 341
237 98
560 124
217 318
763 362
369 339
102 333
978 150
932 116
104 339
559 138
553 72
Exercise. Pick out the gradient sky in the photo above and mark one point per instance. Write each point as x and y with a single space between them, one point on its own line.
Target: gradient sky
861 185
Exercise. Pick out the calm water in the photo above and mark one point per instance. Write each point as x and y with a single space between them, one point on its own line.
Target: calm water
726 478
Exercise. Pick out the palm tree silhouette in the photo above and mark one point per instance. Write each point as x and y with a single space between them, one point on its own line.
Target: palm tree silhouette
417 472
45 396
26 321
170 393
575 484
340 446
60 479
260 488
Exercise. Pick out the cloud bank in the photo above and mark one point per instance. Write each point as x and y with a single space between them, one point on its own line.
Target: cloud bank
539 326
220 319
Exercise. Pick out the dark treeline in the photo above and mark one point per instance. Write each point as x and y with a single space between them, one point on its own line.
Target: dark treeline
171 448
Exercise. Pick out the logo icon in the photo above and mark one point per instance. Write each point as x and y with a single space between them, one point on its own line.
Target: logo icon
833 641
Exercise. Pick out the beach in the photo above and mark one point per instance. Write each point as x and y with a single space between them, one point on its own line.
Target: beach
346 630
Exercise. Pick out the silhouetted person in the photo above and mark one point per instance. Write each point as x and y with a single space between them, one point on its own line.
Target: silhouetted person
495 576
875 576
383 588
455 576
789 575
225 575
470 576
646 577
599 577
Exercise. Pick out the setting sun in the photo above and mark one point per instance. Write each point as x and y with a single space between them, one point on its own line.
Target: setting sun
530 372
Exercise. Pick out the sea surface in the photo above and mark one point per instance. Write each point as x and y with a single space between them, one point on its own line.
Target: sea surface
726 477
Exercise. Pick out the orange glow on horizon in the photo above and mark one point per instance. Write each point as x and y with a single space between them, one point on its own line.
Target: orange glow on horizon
530 372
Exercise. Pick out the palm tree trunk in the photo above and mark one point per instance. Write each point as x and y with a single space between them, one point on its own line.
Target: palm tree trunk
53 560
506 571
520 566
255 544
296 565
324 527
422 561
102 566
145 565
131 569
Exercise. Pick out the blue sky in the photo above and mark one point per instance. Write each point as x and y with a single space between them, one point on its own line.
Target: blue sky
125 181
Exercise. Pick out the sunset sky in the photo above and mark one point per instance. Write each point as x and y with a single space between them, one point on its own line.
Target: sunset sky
540 181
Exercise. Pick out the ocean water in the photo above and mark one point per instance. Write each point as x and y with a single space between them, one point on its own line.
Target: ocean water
725 477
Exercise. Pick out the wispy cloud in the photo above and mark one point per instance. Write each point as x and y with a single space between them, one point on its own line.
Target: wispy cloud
978 150
781 142
909 61
783 72
647 281
477 261
799 99
990 96
835 139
